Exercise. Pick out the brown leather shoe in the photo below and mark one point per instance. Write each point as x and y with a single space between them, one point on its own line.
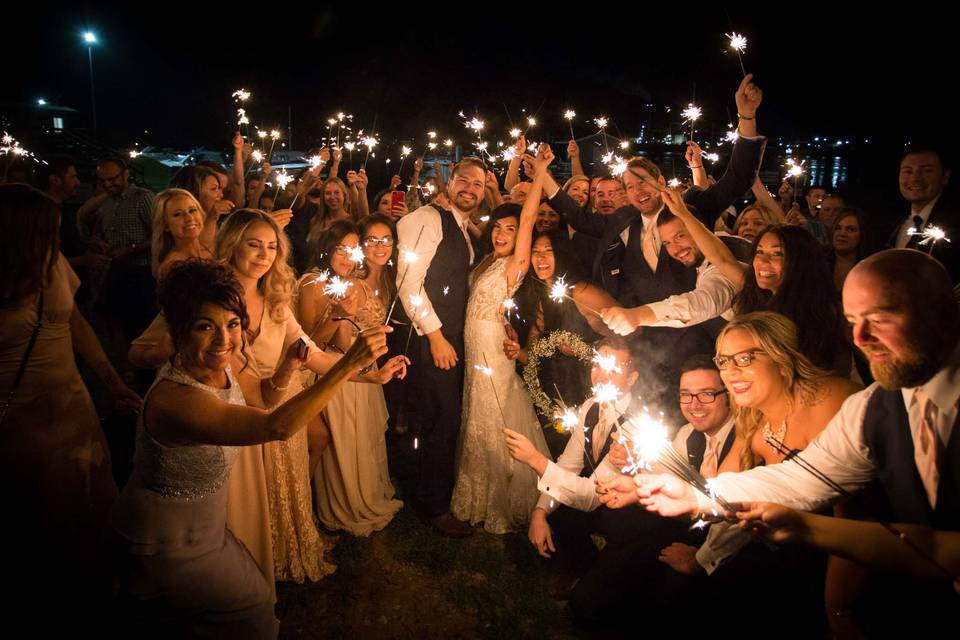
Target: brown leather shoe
447 525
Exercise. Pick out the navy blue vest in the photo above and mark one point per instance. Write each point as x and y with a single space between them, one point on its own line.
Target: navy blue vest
447 279
697 447
886 429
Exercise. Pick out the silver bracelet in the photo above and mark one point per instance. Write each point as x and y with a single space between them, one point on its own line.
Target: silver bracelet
275 387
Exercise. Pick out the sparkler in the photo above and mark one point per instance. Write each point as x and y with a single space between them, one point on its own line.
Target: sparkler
531 122
795 170
712 157
618 167
274 136
602 121
510 306
515 133
356 255
369 142
283 179
794 456
647 441
560 290
336 288
409 256
739 44
487 371
257 155
134 153
731 136
448 143
241 95
624 144
509 153
931 236
316 162
673 183
691 114
607 363
569 115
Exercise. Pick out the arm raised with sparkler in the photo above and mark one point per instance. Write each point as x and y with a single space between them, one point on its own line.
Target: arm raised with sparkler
236 191
520 260
512 178
573 152
694 158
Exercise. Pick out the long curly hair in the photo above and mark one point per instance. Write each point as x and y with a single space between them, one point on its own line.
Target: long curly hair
777 336
388 275
807 295
276 285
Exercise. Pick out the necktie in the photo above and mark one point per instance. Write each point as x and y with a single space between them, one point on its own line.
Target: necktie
651 251
711 460
927 448
915 238
466 236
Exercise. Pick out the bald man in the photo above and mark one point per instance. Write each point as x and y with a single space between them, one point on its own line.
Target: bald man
900 432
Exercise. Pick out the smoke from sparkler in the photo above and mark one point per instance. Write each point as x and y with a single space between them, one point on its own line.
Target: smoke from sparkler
607 363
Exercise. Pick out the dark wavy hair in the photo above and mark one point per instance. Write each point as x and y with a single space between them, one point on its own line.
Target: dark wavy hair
865 240
534 293
506 210
30 227
388 276
329 239
192 283
191 179
806 296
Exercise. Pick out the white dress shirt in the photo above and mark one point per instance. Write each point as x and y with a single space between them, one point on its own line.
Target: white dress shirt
839 451
412 274
712 297
902 237
561 482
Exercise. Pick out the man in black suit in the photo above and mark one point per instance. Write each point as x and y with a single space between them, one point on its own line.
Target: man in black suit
923 176
434 292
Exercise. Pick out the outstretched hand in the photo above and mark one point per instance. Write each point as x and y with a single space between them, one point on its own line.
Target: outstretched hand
748 97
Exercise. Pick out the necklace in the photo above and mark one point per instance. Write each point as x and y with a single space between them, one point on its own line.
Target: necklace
777 435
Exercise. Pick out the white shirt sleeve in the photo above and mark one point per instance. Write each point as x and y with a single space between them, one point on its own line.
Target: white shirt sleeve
724 540
712 296
839 452
410 275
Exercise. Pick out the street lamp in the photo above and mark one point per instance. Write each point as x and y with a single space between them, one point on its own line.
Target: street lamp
90 38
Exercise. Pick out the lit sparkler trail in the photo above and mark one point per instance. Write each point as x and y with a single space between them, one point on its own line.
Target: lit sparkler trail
487 371
242 117
795 170
602 121
931 236
283 179
731 136
569 115
712 157
409 257
336 288
607 363
509 153
274 136
673 183
241 95
738 43
618 167
515 133
648 443
316 162
606 392
691 114
356 255
257 155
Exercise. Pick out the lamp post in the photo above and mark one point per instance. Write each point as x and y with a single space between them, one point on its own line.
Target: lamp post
90 38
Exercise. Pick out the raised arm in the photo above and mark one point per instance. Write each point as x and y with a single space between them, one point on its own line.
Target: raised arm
694 158
710 245
520 261
573 152
236 187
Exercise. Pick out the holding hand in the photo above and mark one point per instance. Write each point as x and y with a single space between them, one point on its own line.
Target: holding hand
621 321
618 492
773 522
682 558
795 217
352 178
369 345
693 155
573 149
521 449
124 398
282 217
544 157
665 494
395 182
395 367
520 146
491 182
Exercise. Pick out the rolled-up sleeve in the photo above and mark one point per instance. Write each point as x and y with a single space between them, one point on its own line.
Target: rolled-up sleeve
411 273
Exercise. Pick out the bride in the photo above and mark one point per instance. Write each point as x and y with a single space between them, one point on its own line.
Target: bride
489 487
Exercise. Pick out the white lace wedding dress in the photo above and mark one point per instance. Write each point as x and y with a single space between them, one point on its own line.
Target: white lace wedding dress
490 486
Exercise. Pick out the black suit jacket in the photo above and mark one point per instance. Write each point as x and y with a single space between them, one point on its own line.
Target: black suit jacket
706 204
946 215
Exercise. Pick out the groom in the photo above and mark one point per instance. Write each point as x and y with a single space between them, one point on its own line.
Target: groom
434 293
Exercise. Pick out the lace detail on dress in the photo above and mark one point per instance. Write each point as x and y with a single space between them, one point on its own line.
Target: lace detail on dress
191 471
488 290
373 312
490 487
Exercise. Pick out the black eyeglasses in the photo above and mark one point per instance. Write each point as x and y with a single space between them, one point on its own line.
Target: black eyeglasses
740 360
704 397
371 241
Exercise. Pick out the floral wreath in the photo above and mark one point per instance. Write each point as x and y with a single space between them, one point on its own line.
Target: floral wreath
545 347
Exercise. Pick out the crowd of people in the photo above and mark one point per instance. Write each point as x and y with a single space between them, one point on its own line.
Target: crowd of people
263 340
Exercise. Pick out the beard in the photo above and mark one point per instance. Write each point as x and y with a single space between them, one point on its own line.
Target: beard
468 206
909 371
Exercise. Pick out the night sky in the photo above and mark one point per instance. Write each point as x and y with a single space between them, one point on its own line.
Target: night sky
170 69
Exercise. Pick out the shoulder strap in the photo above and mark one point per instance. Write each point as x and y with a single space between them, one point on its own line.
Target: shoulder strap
26 358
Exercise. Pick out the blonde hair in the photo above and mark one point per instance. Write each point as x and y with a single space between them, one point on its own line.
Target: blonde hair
162 242
768 215
574 180
276 285
321 220
777 336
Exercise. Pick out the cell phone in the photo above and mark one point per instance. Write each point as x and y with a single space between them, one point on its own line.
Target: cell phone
303 349
397 198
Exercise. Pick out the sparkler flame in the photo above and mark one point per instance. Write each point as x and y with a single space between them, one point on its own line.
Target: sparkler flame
274 134
356 255
712 157
559 290
673 182
405 151
475 123
241 95
431 134
431 145
487 371
283 179
515 133
606 392
601 121
336 288
370 142
931 234
567 420
569 114
732 136
262 134
624 144
349 146
738 42
692 113
257 155
531 121
607 363
509 154
448 142
315 161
